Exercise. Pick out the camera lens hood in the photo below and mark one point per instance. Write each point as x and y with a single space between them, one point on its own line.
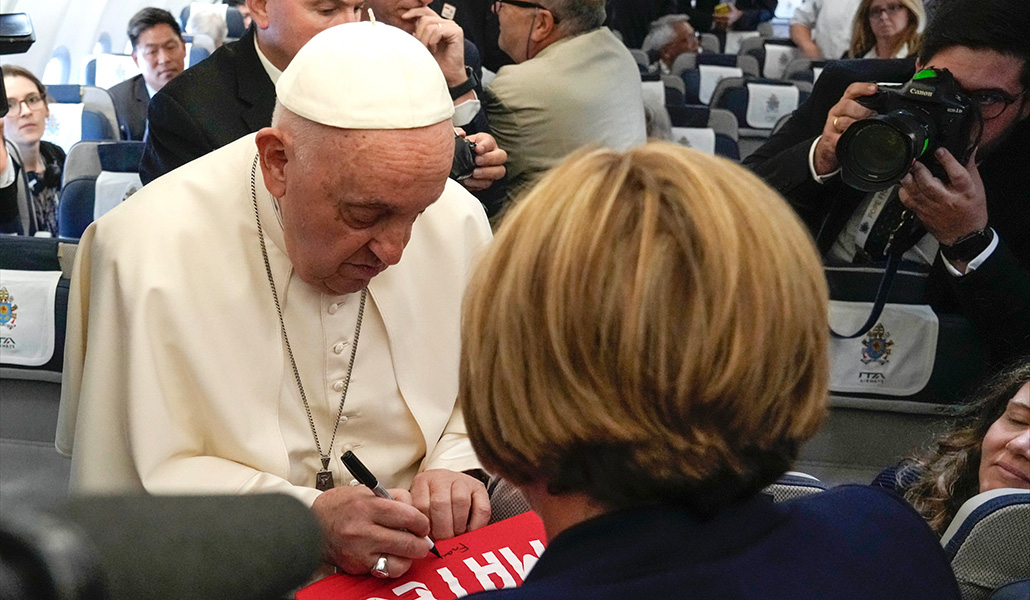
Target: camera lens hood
876 153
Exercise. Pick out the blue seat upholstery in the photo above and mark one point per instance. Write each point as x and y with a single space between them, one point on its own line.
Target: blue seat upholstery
99 121
83 166
701 116
89 72
732 95
756 47
988 542
233 21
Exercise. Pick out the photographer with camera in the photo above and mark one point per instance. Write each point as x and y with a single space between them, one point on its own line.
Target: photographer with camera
973 206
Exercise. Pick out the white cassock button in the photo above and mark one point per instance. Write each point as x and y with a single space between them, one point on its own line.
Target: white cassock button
338 348
333 308
338 386
344 419
354 482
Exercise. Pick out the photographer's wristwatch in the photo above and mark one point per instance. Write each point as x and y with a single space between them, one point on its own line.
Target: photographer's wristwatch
463 88
968 247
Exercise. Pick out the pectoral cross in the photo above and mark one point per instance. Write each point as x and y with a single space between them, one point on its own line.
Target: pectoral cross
324 478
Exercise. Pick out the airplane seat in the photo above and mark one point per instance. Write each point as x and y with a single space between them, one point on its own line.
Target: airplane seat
794 484
506 500
97 177
34 285
988 542
80 112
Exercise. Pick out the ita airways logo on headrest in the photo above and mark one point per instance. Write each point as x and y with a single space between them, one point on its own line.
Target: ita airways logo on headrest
876 347
8 309
772 104
53 126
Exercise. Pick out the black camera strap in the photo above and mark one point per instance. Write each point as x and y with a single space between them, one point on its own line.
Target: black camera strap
882 291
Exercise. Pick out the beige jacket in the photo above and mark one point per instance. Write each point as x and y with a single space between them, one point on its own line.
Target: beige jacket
579 91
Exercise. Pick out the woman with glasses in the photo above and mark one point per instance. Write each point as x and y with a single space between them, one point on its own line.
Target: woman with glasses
30 169
887 29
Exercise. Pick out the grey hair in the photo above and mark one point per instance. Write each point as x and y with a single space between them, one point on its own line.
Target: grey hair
577 16
208 23
306 134
663 31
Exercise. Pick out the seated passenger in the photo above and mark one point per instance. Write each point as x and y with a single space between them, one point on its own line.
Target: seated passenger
208 23
30 169
574 84
989 449
669 37
604 372
160 54
887 29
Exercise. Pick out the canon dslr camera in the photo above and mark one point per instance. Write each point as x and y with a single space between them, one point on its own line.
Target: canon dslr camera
914 119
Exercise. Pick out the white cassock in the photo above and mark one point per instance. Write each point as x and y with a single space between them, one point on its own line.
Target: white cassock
176 378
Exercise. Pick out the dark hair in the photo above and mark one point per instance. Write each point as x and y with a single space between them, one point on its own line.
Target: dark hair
234 2
16 71
150 17
999 25
950 470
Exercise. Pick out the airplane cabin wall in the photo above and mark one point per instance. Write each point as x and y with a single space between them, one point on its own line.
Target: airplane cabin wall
76 25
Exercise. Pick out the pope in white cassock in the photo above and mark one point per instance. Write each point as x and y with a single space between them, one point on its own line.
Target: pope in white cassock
241 322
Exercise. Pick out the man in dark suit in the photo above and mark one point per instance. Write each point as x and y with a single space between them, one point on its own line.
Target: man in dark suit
979 218
160 53
633 18
232 93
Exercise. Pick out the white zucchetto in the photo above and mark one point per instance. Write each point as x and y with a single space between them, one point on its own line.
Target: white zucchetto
365 75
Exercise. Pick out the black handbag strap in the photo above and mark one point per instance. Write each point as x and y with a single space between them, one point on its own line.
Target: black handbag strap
884 290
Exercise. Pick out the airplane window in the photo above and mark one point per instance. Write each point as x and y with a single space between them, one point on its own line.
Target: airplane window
58 68
103 45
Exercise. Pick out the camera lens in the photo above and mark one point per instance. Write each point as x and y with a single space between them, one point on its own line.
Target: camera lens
875 153
879 150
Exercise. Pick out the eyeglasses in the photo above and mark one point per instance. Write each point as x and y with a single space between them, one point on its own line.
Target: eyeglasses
993 103
519 3
33 101
890 10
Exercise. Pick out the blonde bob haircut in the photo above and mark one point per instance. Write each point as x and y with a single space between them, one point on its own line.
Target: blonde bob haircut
647 326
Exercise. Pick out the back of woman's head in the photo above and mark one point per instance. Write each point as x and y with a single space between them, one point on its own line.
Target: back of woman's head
647 325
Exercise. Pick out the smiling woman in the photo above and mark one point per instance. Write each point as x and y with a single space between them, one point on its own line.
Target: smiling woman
989 449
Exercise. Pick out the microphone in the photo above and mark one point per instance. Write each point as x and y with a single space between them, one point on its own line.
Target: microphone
163 548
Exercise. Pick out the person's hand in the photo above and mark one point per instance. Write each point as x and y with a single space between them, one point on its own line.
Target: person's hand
952 210
444 39
841 116
489 162
359 528
726 20
454 502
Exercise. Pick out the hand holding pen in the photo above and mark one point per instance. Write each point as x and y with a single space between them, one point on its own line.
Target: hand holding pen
367 479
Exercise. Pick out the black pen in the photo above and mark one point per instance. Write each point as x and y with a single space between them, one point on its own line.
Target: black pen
367 479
